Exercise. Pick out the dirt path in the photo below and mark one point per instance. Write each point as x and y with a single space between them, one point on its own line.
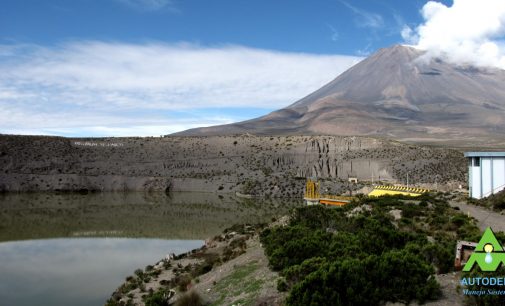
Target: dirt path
485 217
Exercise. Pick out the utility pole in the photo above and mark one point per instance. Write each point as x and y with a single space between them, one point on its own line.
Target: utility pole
349 185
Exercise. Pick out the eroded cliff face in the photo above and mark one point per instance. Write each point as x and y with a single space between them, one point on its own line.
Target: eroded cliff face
273 166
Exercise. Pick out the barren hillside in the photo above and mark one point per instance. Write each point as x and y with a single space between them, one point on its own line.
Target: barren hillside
271 166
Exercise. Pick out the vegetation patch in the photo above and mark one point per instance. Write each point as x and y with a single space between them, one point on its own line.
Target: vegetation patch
240 284
495 201
355 256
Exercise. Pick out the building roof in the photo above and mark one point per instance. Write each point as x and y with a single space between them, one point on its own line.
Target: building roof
484 154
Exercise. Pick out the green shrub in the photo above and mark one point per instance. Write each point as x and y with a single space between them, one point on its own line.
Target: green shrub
496 201
158 298
288 246
328 256
139 273
201 269
368 281
282 286
296 273
189 299
182 282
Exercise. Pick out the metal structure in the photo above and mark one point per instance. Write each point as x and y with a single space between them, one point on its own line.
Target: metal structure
463 251
486 173
312 189
313 196
396 190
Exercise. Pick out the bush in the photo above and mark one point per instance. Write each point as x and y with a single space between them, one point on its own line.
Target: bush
182 282
369 281
139 273
158 298
328 256
239 242
201 269
282 286
288 246
496 201
297 273
189 299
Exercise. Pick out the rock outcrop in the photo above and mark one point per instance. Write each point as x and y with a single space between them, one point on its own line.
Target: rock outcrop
272 166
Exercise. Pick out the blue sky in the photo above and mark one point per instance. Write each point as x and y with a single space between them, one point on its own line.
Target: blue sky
152 67
327 27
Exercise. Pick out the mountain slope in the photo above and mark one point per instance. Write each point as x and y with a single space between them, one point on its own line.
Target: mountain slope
398 93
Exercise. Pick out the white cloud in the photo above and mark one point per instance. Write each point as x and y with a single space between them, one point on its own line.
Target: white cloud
148 5
408 35
134 89
364 18
334 32
468 32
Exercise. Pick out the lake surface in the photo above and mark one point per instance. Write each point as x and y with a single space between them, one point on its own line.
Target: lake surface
73 249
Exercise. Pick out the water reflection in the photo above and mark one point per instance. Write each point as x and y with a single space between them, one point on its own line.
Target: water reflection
85 265
178 216
79 271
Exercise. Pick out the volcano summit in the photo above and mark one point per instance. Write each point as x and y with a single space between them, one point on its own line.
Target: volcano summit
399 93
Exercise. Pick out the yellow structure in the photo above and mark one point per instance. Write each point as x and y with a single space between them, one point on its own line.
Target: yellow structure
312 196
311 189
395 190
335 200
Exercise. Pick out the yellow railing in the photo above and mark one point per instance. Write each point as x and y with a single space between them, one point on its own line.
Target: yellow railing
402 188
336 197
392 190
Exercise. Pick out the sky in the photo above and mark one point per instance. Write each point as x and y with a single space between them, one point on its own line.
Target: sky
154 67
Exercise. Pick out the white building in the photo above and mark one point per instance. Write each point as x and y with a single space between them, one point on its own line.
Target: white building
486 172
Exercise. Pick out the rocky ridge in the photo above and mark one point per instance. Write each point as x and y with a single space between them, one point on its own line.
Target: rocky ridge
259 165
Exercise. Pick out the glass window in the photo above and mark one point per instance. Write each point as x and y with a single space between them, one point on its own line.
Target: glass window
476 161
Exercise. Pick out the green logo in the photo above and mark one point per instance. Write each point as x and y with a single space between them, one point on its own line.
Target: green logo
488 253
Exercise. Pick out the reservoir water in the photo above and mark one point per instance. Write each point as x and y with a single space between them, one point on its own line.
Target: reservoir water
76 249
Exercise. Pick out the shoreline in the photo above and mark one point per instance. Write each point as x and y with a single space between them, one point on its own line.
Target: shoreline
210 272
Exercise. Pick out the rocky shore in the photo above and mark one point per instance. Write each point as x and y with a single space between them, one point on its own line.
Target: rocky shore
230 269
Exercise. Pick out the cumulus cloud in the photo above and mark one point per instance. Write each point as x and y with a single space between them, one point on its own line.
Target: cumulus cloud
468 32
104 88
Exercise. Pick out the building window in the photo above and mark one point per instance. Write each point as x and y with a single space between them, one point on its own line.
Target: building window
476 161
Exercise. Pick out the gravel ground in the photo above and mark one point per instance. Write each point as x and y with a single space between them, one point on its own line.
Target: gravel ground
484 216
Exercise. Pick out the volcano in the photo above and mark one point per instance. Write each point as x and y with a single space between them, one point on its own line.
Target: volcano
398 93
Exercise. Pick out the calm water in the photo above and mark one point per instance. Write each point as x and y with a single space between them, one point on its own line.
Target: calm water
71 249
